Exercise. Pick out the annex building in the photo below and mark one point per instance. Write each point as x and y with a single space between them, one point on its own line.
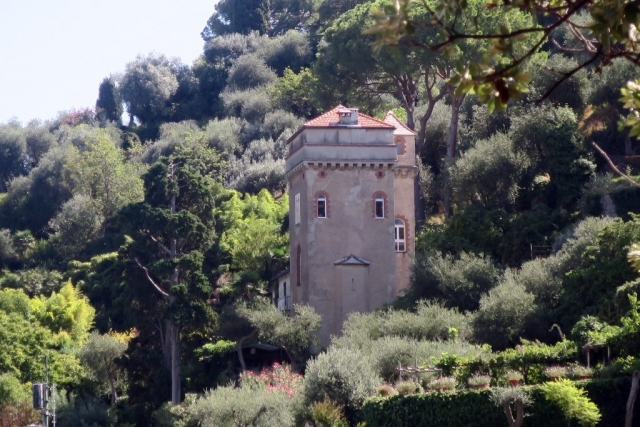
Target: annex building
351 215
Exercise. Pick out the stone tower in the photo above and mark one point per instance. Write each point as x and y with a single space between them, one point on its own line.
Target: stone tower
352 214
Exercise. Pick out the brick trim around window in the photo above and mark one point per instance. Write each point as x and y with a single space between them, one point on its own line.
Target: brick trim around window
328 203
385 206
407 233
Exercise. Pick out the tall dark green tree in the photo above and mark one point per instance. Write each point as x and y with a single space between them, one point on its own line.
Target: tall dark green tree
237 16
109 103
172 229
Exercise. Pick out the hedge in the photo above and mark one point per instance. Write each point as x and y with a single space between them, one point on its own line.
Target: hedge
471 408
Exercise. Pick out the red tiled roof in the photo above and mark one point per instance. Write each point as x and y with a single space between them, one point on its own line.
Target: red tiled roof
331 119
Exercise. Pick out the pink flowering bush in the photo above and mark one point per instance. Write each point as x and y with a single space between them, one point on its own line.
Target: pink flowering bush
275 378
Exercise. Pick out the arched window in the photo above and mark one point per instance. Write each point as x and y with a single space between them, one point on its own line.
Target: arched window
322 206
400 236
379 207
399 148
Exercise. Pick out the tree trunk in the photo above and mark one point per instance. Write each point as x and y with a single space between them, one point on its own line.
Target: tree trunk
173 336
241 341
294 366
518 420
452 141
628 147
628 422
114 392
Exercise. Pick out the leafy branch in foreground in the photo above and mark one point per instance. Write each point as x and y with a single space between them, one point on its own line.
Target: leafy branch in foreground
501 74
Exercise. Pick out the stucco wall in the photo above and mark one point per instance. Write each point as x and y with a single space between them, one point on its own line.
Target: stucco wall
351 229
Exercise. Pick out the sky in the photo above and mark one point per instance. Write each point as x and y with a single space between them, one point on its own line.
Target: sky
55 53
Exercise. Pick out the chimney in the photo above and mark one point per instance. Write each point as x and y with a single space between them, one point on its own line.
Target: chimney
348 116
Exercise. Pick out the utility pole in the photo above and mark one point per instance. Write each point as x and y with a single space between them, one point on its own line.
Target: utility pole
44 397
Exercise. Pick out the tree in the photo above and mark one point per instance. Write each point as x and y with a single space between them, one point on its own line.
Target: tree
100 354
76 224
67 313
13 154
296 334
109 103
147 86
550 140
172 228
572 401
488 173
32 201
270 17
252 238
237 16
39 142
100 172
348 63
249 71
502 315
499 76
460 281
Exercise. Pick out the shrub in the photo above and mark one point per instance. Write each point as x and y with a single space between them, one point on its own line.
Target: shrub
345 376
503 313
277 377
582 372
573 401
488 173
460 281
477 408
386 390
555 372
328 414
84 412
512 375
408 387
230 407
430 321
443 384
479 380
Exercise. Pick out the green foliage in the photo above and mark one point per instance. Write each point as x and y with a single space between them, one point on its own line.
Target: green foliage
12 390
291 92
502 314
99 171
296 333
100 355
25 343
249 71
459 281
244 406
344 376
573 402
328 414
431 321
464 408
252 230
602 267
84 411
549 137
488 173
67 313
109 103
78 222
477 408
475 229
626 202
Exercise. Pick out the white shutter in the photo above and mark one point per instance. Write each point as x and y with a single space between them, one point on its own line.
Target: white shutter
297 209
